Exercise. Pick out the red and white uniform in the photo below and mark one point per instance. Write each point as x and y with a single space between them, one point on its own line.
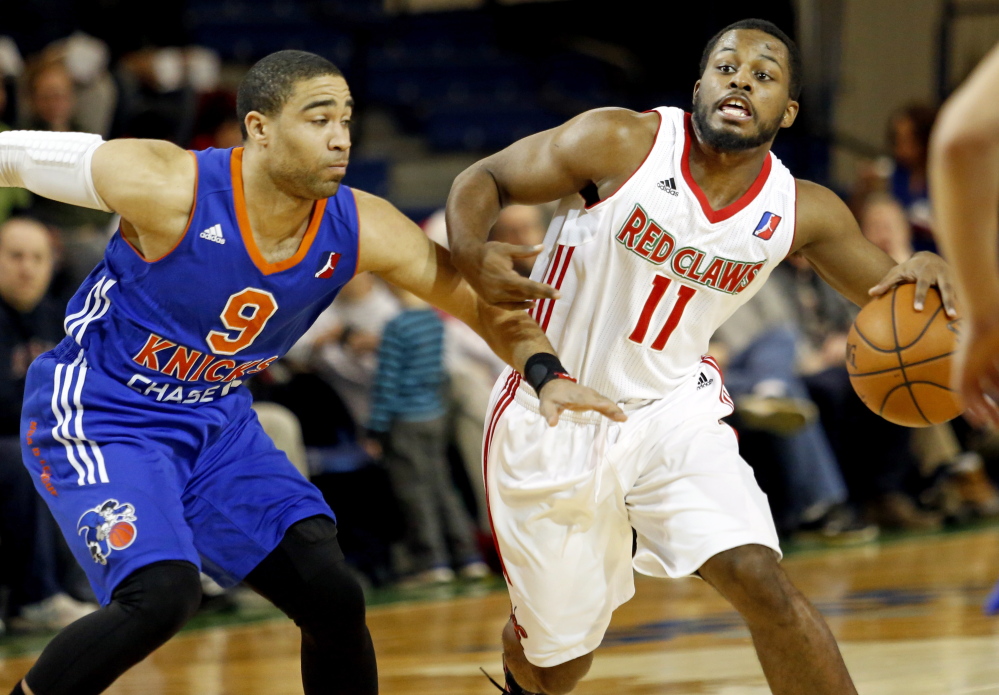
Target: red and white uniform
646 276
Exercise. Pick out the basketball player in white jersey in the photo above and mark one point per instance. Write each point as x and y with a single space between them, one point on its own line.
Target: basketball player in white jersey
667 224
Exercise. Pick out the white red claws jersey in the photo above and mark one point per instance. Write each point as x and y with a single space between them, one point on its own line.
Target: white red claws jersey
648 274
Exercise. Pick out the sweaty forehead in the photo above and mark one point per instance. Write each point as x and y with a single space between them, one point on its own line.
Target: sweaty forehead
752 43
323 88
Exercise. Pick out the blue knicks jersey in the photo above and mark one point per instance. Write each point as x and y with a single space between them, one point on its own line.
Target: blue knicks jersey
192 326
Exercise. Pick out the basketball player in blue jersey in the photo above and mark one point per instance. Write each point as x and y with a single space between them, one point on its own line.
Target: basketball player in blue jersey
660 175
139 422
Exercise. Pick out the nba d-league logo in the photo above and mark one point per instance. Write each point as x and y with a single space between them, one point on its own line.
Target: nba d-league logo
106 528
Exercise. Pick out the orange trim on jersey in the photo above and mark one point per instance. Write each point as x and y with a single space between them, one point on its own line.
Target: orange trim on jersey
659 129
190 219
245 231
357 214
715 216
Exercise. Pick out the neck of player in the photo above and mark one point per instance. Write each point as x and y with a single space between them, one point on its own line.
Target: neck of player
724 176
275 216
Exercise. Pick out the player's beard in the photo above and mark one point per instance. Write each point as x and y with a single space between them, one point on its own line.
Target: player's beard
727 140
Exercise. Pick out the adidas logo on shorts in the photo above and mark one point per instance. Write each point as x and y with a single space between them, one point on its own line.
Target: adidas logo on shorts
214 233
703 381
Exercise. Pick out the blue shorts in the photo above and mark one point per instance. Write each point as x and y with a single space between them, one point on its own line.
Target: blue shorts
132 481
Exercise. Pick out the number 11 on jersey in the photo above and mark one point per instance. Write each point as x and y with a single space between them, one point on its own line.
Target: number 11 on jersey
660 284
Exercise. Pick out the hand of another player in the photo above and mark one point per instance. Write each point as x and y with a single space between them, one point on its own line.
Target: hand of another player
976 371
488 268
926 270
559 395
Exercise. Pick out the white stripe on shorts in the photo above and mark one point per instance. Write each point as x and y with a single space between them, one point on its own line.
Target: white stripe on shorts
69 423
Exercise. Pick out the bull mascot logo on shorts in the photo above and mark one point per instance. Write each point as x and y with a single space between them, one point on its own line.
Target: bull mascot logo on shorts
107 527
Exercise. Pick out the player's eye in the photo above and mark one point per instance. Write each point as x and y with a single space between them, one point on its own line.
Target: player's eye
320 121
726 68
764 76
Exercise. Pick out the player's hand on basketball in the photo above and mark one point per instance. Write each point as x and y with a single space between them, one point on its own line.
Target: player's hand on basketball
926 270
489 269
559 395
976 371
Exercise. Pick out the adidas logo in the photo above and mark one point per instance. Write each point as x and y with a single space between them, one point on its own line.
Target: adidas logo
668 185
214 233
703 381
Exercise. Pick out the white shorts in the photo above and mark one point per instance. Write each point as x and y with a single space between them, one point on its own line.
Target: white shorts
563 501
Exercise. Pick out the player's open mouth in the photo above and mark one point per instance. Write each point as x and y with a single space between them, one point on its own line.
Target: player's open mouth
736 108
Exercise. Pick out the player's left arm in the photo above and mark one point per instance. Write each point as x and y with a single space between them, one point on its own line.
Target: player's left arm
397 250
828 236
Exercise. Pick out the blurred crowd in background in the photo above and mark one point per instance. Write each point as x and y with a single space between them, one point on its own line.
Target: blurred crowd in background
382 402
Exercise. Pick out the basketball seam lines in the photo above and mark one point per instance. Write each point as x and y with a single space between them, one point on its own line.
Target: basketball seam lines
901 363
896 349
911 364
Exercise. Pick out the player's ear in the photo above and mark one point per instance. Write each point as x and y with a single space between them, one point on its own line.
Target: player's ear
790 113
256 127
697 88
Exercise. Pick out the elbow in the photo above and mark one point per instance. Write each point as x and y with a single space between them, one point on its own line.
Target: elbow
955 140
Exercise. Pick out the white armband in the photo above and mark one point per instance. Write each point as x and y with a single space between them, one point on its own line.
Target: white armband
53 165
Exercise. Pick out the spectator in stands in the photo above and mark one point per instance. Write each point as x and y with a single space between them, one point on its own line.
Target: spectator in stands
11 199
30 324
51 102
408 419
904 175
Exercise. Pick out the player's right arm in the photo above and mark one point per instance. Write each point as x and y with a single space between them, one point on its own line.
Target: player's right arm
150 183
964 179
601 147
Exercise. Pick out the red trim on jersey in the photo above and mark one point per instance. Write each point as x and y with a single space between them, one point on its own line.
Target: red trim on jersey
715 216
794 229
558 286
538 310
187 227
644 159
512 384
243 219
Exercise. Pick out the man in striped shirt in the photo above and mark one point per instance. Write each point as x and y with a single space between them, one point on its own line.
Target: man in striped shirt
408 417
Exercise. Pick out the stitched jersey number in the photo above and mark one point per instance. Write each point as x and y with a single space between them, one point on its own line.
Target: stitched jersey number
247 313
659 286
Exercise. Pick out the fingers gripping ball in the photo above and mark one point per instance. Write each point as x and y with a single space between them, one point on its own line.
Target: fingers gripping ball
899 359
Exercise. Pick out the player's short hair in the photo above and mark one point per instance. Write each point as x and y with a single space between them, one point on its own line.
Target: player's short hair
271 81
794 55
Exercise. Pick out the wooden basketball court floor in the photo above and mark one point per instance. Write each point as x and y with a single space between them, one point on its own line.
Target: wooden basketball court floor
907 614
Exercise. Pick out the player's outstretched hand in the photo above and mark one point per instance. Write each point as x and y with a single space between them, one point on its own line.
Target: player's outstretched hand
489 269
562 394
976 371
926 270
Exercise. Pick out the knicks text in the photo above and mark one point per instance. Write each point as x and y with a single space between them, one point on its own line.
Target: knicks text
187 364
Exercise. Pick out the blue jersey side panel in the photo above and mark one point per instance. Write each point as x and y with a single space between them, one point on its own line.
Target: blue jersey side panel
190 327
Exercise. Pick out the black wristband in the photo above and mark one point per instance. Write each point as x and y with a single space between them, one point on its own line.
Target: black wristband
541 368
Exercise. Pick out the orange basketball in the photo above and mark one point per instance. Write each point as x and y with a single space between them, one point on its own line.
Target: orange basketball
899 359
121 535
